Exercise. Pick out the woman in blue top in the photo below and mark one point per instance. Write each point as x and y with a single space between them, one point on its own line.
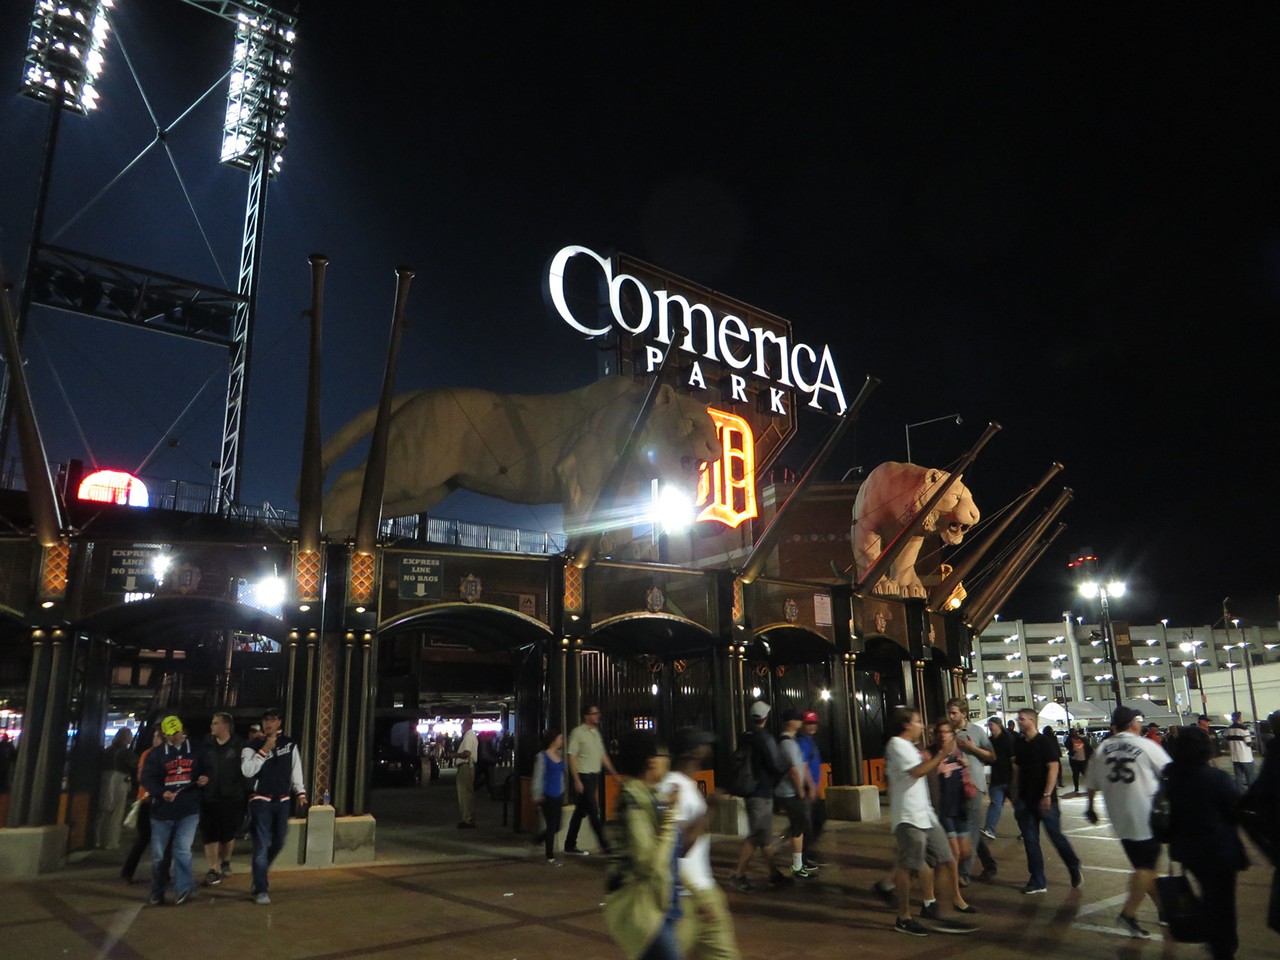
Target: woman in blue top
548 788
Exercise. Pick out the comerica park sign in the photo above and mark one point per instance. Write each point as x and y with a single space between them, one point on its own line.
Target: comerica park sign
744 362
660 319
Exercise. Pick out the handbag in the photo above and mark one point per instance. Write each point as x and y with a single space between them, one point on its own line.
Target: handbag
1162 813
131 818
1259 823
1181 908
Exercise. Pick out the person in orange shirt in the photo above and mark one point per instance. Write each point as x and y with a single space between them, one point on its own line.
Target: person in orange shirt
142 842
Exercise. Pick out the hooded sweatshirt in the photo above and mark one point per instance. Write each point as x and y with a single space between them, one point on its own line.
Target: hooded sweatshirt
170 768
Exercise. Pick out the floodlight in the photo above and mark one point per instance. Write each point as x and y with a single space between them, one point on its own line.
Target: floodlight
1088 589
257 97
673 508
160 566
1116 588
65 52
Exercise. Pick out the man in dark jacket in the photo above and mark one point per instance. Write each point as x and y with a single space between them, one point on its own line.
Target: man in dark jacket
174 774
222 814
273 767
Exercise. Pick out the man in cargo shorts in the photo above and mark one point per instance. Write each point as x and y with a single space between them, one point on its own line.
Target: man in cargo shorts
921 841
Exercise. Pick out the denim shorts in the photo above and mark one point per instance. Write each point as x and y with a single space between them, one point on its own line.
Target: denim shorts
955 826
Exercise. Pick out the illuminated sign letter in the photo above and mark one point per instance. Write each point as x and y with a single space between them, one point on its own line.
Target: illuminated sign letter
554 286
727 487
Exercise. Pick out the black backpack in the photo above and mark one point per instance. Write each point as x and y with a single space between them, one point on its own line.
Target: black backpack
742 769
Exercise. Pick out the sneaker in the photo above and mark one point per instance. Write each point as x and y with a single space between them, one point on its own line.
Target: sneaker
911 927
964 880
947 925
1130 926
184 896
987 875
740 883
226 868
155 901
575 852
212 878
777 878
813 866
553 862
929 911
1033 887
989 834
261 899
800 873
885 892
1077 877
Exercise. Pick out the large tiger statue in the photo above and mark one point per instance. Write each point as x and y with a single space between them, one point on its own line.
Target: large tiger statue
523 448
888 500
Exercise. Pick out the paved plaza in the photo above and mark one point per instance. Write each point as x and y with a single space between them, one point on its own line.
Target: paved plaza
436 891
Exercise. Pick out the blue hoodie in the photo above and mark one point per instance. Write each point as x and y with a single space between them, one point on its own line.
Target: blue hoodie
177 769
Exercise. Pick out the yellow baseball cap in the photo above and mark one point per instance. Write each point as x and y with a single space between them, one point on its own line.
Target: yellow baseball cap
170 725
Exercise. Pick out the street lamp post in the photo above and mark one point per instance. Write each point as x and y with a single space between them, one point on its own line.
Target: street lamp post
1104 592
959 420
1231 669
1248 679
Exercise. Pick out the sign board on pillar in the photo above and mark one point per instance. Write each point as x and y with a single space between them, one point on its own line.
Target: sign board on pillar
131 570
421 578
822 609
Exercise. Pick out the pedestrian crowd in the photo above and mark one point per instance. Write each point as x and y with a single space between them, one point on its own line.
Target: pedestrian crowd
1159 789
224 788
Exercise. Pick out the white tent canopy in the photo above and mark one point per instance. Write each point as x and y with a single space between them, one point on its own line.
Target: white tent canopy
1090 713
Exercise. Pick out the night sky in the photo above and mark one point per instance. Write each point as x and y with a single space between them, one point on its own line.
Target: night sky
1062 218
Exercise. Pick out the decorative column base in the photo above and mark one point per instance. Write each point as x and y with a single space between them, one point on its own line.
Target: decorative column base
29 851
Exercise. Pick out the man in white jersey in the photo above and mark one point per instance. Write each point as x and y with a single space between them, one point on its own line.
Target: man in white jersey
707 932
1237 737
1126 767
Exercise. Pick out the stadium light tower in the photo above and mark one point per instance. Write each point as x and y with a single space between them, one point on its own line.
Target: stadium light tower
65 56
65 52
258 98
253 136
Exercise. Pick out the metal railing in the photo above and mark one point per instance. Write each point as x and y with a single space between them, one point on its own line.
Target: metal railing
188 496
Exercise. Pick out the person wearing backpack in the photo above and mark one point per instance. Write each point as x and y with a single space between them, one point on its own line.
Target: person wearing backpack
767 767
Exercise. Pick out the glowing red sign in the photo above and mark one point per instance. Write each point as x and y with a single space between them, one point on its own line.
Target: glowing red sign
113 486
